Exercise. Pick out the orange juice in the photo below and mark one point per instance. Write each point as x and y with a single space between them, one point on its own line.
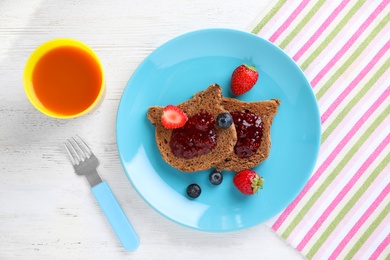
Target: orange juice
63 78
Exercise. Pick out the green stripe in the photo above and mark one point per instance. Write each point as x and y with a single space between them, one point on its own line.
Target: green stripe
332 34
335 172
355 100
353 57
268 16
348 206
368 232
301 24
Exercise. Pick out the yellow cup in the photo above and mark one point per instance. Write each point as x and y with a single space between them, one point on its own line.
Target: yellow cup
64 78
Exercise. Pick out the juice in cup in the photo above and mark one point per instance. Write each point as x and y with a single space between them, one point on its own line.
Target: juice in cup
64 78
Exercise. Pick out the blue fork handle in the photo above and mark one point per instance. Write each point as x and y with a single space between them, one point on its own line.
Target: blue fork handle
116 216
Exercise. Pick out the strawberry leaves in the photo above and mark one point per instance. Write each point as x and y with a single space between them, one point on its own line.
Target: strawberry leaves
248 182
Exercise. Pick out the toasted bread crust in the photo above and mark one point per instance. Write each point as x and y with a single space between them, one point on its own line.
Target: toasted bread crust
209 100
267 110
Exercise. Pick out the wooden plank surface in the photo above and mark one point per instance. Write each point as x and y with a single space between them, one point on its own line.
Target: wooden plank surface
46 211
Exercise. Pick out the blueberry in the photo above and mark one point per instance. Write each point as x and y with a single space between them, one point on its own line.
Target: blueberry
224 120
216 178
193 190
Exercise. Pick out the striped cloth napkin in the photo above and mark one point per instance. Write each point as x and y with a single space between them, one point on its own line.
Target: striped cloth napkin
343 49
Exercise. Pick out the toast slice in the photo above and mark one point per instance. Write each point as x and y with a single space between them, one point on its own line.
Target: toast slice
210 101
266 110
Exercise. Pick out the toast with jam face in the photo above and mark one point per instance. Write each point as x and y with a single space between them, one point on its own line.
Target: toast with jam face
200 143
252 121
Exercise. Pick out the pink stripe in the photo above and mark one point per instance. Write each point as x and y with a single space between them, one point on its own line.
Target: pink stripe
359 108
372 243
330 159
270 27
289 20
349 43
340 181
355 212
320 30
360 222
342 193
385 243
355 82
363 59
339 40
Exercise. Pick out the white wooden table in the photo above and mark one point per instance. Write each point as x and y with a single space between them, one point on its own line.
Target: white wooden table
46 211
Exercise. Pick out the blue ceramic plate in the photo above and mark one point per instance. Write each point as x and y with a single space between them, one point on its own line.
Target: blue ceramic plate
188 64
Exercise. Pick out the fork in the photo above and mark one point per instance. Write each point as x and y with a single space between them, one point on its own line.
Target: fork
85 163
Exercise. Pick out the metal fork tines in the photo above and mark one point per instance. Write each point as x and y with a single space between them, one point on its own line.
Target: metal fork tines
83 160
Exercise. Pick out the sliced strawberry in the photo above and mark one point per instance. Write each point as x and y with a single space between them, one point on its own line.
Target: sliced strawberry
173 117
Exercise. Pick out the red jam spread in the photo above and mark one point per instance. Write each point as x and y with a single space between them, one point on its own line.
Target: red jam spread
249 129
195 138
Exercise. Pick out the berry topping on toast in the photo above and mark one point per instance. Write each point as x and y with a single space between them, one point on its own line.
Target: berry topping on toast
173 117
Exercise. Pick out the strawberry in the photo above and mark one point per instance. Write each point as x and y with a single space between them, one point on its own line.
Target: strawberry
173 117
248 182
244 77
